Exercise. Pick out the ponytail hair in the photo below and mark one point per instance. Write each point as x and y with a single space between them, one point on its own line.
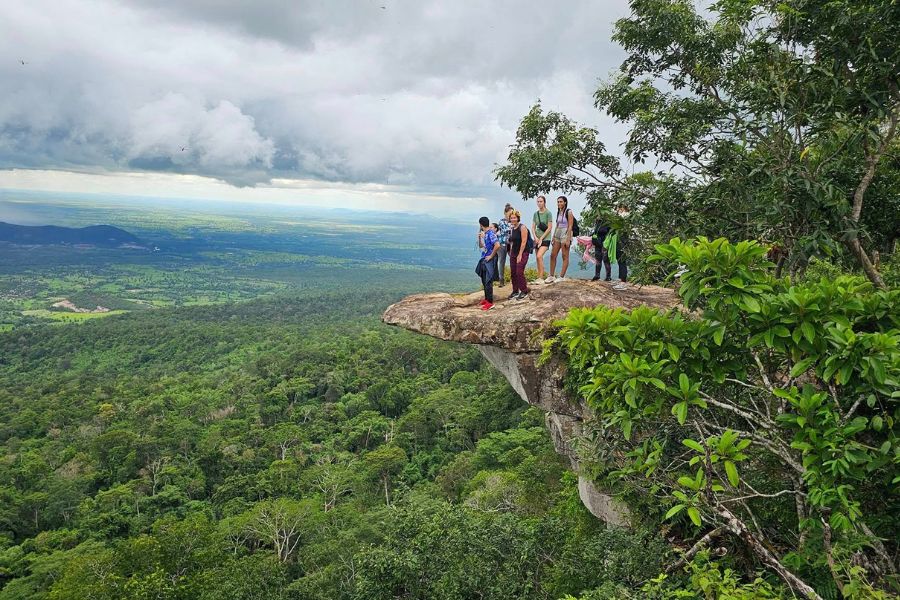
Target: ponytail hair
565 206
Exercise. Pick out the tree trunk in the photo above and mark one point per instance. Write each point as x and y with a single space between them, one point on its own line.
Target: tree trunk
740 529
871 272
860 193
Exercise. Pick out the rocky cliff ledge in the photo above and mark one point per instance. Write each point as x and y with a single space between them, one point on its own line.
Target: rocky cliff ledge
510 335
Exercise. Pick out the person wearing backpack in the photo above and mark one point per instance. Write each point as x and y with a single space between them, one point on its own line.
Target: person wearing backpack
566 229
601 252
616 245
487 265
520 247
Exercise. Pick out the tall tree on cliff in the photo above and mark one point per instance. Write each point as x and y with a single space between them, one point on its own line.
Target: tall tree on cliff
771 120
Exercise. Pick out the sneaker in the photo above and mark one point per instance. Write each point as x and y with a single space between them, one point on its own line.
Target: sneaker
550 279
522 296
513 296
483 302
487 306
607 279
559 279
595 278
621 286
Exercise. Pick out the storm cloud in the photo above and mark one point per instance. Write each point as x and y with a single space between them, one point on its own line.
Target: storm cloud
421 94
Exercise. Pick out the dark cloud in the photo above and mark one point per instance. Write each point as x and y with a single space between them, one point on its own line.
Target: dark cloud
417 93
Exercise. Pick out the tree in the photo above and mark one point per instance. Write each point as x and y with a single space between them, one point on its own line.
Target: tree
279 523
284 437
776 121
330 481
769 412
383 463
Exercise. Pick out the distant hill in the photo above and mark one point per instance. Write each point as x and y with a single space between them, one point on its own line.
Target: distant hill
105 236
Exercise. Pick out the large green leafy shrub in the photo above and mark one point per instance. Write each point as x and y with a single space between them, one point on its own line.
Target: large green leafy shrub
766 410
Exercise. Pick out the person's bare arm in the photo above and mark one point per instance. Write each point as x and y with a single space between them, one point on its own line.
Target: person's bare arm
524 241
570 217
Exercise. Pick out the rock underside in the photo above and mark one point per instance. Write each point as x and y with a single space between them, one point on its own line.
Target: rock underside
510 336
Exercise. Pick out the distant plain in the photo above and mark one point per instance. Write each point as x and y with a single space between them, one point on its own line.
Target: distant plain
205 252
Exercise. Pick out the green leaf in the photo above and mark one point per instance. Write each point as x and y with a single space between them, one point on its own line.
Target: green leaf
680 411
802 366
693 445
674 511
732 473
687 482
781 331
878 369
694 514
809 332
751 304
674 352
719 335
659 383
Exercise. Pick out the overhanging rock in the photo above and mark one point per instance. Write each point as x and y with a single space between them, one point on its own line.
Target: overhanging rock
510 336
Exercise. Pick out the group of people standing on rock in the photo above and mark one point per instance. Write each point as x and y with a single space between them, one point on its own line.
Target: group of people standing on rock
512 239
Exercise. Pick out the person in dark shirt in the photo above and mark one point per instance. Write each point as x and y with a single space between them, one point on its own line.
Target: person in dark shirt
601 229
519 251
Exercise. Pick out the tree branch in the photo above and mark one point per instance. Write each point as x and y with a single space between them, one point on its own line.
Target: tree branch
740 529
871 164
760 495
693 550
829 556
752 417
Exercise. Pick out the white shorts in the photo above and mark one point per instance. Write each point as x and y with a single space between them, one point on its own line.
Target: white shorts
561 235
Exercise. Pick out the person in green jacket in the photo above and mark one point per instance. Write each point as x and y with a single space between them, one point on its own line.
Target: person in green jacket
615 246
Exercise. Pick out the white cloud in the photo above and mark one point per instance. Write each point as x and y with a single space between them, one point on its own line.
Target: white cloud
184 131
420 93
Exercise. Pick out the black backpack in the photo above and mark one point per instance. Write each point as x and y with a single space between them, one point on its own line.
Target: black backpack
576 231
529 241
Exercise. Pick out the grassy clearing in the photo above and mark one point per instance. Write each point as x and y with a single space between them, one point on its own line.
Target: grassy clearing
69 317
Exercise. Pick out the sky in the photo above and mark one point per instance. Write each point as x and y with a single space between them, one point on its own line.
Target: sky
384 104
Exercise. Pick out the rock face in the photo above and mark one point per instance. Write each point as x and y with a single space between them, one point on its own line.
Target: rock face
510 336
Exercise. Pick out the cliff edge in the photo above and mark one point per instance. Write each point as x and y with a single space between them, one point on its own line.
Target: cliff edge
510 336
